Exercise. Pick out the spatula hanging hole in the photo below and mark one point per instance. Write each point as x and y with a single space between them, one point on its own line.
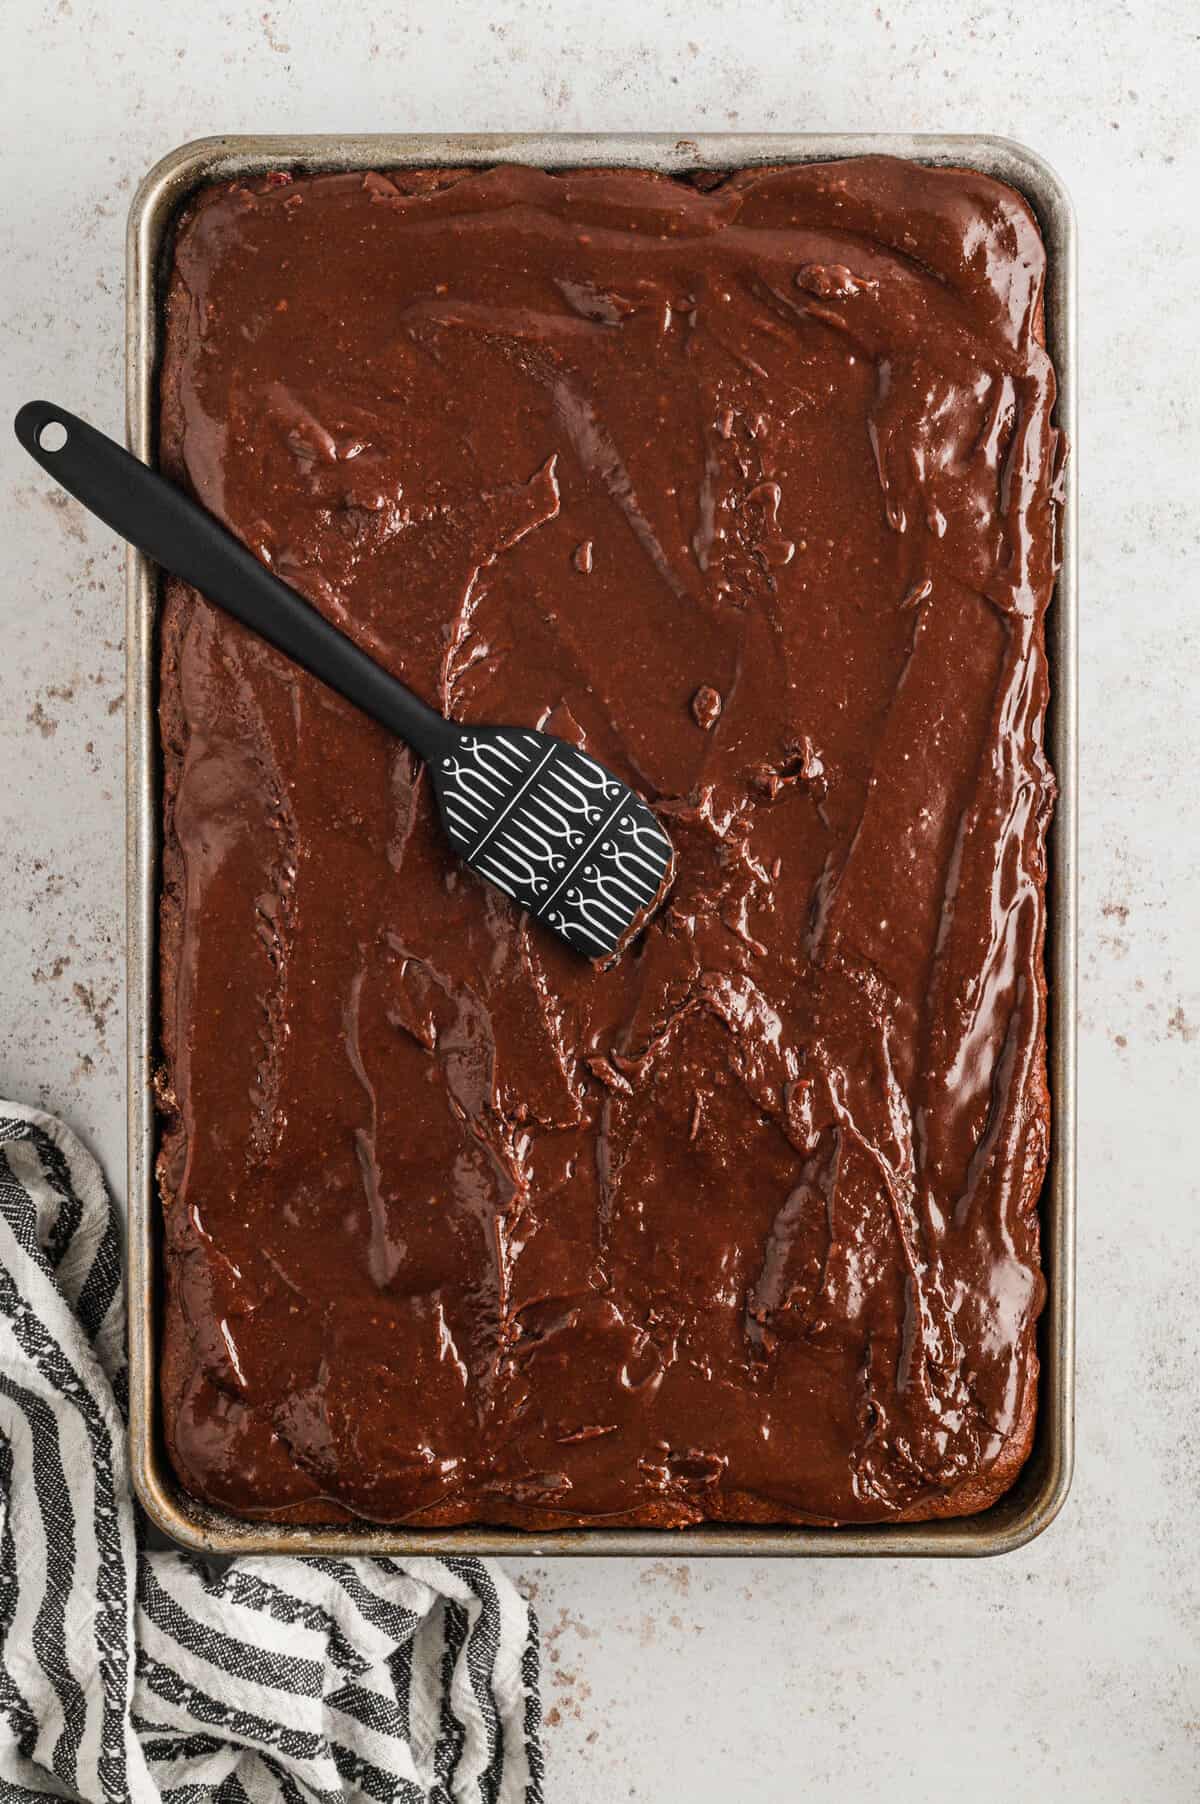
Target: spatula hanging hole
52 436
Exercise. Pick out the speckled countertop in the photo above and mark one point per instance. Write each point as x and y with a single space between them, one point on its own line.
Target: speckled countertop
1071 1669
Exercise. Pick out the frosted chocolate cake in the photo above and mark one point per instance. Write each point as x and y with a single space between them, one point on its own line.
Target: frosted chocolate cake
747 485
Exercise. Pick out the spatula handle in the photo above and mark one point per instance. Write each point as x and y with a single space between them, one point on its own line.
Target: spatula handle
186 540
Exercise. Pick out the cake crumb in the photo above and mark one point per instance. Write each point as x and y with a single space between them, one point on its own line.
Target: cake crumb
45 723
1179 1025
583 558
706 707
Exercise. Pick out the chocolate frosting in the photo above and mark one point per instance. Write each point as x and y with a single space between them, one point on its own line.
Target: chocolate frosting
746 485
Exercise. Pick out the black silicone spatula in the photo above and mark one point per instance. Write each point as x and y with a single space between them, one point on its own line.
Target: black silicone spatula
553 829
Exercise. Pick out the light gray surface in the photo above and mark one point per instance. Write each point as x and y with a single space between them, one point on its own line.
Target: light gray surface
1067 1670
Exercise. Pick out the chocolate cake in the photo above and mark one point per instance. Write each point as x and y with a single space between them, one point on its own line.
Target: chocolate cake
747 485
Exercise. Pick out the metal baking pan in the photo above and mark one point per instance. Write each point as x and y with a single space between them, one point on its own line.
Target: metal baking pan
1042 1486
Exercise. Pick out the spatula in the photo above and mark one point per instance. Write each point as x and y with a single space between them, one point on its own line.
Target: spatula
557 832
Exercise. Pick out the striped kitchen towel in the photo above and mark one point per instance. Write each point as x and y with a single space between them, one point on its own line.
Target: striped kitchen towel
127 1675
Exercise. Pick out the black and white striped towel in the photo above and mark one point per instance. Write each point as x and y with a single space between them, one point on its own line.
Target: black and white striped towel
127 1675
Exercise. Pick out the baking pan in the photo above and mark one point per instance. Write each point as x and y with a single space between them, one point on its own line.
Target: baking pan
1040 1490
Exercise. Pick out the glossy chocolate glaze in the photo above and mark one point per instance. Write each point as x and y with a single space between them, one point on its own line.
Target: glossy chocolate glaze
748 486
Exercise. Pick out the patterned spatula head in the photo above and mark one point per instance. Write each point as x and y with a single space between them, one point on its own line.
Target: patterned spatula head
554 830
